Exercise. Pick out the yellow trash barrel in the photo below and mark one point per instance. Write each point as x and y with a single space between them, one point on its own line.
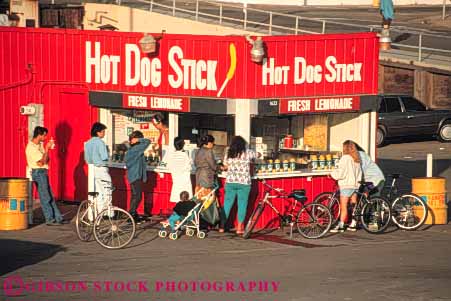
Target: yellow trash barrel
13 203
376 3
433 192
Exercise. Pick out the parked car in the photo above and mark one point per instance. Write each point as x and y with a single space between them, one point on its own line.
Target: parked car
404 115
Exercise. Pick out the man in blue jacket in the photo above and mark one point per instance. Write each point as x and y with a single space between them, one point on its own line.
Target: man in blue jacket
136 170
96 154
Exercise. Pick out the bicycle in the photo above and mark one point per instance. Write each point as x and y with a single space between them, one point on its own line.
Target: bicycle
312 220
374 212
113 227
409 211
332 201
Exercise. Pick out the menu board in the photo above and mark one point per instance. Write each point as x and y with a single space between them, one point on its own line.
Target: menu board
125 122
315 132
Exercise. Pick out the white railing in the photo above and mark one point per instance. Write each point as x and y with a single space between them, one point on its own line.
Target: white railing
241 18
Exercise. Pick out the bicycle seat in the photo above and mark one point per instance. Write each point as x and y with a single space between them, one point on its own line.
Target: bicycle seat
93 194
299 195
366 184
395 175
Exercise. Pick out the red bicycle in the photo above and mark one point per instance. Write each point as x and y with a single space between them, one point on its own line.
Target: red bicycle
312 220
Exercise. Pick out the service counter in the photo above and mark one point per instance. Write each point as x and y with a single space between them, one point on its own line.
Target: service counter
299 136
157 190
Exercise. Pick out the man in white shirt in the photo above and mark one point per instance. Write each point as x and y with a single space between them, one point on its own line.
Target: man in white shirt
37 161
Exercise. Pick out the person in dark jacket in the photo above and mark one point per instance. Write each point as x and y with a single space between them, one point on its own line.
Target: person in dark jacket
205 165
136 170
181 210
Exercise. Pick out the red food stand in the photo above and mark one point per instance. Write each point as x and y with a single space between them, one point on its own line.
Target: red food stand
318 89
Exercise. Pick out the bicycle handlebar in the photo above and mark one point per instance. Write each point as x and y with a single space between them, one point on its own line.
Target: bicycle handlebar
280 191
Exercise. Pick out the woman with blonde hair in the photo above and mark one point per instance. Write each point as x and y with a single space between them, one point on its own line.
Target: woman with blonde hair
348 174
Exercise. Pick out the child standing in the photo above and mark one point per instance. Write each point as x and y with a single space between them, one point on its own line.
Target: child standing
181 210
348 174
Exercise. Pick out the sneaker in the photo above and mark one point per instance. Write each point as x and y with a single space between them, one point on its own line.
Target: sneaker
138 219
352 228
52 223
337 229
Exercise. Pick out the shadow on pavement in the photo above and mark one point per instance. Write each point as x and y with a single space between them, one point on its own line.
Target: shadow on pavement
15 254
68 210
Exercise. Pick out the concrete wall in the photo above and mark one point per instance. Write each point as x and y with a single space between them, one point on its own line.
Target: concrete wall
396 80
334 2
433 89
442 89
136 20
26 9
430 87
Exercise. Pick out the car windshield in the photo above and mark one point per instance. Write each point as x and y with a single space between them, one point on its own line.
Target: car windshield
412 105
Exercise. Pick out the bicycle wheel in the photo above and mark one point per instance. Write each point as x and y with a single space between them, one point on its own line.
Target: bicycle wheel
253 220
84 221
330 201
409 211
314 220
375 215
114 228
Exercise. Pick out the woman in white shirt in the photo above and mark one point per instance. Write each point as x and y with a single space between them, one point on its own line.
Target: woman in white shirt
179 165
348 174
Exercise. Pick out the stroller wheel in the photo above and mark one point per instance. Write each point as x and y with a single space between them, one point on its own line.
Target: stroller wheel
173 236
201 234
162 233
190 232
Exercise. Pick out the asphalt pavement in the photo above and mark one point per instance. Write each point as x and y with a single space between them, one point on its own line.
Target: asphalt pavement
408 157
49 263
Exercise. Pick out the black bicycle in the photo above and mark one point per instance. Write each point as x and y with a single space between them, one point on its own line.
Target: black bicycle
409 211
374 212
312 220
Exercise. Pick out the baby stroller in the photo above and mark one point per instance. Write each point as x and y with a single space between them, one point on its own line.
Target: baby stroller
191 222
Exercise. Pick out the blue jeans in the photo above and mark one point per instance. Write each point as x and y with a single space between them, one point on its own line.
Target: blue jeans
239 191
51 212
173 219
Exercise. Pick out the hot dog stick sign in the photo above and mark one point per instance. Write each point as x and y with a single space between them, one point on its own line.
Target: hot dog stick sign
174 72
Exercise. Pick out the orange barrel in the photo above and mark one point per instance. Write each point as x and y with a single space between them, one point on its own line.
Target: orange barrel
13 203
433 192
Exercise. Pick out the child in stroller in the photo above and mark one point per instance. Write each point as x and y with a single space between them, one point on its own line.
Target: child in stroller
185 216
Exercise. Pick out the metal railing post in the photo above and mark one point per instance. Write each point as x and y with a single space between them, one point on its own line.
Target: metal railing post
444 10
245 16
324 27
420 42
220 13
151 5
371 28
197 10
297 25
173 8
270 23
